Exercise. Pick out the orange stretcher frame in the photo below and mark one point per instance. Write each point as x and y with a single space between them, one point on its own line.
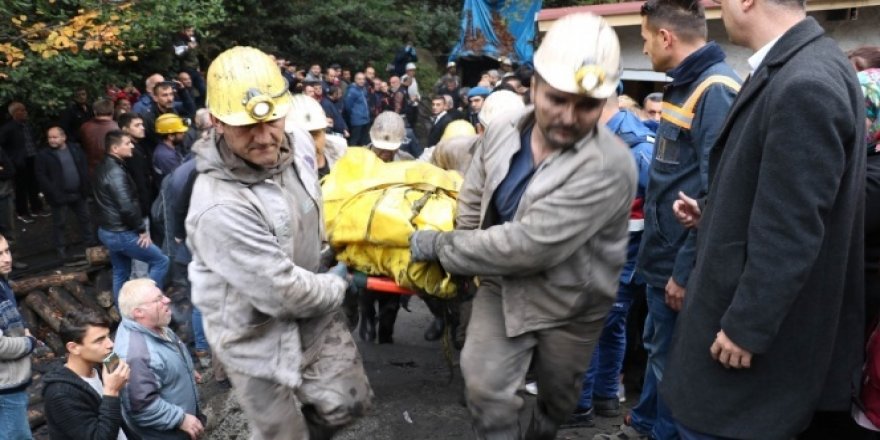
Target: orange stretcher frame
386 285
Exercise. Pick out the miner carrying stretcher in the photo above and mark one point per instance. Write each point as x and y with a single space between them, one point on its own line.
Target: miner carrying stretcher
542 221
255 230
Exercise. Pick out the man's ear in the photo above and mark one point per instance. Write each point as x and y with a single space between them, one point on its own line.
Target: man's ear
218 126
73 348
666 37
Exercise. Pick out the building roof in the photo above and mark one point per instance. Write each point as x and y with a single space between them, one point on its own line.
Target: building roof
627 13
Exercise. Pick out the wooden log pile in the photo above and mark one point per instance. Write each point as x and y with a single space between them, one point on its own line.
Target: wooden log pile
43 300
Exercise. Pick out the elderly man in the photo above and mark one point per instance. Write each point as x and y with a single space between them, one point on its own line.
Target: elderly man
543 221
254 228
160 400
773 330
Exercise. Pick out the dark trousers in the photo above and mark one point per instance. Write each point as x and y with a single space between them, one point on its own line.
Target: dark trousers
6 225
80 209
27 193
359 136
381 323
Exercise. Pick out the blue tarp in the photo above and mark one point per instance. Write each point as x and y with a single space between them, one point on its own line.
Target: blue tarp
496 28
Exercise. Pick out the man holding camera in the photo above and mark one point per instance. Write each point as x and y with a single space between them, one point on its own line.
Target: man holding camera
80 402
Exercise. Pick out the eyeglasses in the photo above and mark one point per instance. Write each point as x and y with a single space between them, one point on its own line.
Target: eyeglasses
161 298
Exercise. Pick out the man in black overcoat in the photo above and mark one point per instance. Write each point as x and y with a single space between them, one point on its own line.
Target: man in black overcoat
772 328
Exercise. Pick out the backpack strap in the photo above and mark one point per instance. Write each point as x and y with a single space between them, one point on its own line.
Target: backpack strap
683 116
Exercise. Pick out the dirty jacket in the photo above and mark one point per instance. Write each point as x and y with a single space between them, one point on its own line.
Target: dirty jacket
559 259
161 389
681 159
255 236
15 347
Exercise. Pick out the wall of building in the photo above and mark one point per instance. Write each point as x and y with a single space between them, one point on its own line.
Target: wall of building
849 34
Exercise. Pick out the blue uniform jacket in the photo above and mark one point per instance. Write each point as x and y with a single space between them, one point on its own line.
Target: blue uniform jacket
681 163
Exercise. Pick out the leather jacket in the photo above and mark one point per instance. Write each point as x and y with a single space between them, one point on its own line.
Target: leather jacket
116 197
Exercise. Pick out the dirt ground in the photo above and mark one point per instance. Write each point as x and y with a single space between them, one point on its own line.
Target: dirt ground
415 399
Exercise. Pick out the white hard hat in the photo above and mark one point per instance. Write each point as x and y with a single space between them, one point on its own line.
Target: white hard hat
580 54
388 131
499 103
410 66
306 113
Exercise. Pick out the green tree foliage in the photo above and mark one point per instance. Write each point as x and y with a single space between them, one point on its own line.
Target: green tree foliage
50 47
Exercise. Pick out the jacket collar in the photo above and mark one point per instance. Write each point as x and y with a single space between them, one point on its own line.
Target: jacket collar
696 63
133 326
788 45
792 41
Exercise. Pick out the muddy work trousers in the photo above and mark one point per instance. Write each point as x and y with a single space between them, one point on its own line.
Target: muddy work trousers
494 367
334 389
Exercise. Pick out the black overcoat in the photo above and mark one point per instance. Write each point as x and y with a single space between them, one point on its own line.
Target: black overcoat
780 251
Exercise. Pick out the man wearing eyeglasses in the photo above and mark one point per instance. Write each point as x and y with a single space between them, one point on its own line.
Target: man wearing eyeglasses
161 400
255 231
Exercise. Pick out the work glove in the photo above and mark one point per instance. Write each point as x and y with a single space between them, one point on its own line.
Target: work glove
423 245
340 270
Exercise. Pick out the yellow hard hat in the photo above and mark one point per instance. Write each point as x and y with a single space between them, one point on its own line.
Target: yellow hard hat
306 114
591 67
245 87
458 128
170 123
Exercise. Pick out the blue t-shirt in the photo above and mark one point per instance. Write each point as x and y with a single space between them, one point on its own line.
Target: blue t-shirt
510 191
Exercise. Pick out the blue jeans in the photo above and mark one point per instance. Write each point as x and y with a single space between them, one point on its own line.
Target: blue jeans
123 248
201 341
651 415
13 416
602 379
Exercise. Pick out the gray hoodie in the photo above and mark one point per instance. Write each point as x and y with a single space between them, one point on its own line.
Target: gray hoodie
255 236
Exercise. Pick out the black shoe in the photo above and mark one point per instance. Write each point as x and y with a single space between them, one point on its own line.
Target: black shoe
580 419
42 214
435 330
606 407
25 219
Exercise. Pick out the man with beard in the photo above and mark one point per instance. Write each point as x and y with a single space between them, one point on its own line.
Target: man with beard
542 220
164 102
160 400
254 229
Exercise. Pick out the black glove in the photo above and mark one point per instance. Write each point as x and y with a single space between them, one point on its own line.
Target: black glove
423 245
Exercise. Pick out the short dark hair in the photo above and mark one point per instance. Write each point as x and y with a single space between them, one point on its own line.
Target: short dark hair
113 138
684 17
865 57
438 98
103 107
163 85
126 119
75 324
653 97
